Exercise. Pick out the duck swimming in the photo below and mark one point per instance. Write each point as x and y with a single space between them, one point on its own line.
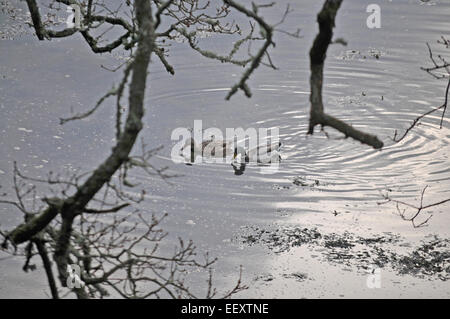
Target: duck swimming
219 148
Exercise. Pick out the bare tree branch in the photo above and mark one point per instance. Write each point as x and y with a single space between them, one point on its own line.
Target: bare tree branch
434 71
326 20
256 60
418 209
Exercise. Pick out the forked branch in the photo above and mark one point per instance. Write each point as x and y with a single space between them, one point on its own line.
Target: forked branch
326 20
402 207
439 70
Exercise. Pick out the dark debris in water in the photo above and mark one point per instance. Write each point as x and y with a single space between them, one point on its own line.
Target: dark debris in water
361 55
299 276
430 260
264 278
280 187
302 181
338 243
279 240
307 182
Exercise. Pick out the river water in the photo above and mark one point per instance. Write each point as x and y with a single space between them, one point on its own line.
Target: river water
375 83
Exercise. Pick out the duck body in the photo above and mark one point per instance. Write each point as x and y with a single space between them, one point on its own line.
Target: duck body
226 149
211 148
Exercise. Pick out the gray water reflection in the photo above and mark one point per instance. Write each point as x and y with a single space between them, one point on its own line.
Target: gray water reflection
42 81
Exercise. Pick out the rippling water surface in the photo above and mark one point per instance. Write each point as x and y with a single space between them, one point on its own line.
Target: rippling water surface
209 203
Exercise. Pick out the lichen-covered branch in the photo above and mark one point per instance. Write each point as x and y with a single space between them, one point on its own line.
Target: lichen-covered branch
256 60
34 224
75 205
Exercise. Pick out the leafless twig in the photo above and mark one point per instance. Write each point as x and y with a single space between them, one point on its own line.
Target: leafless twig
417 209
